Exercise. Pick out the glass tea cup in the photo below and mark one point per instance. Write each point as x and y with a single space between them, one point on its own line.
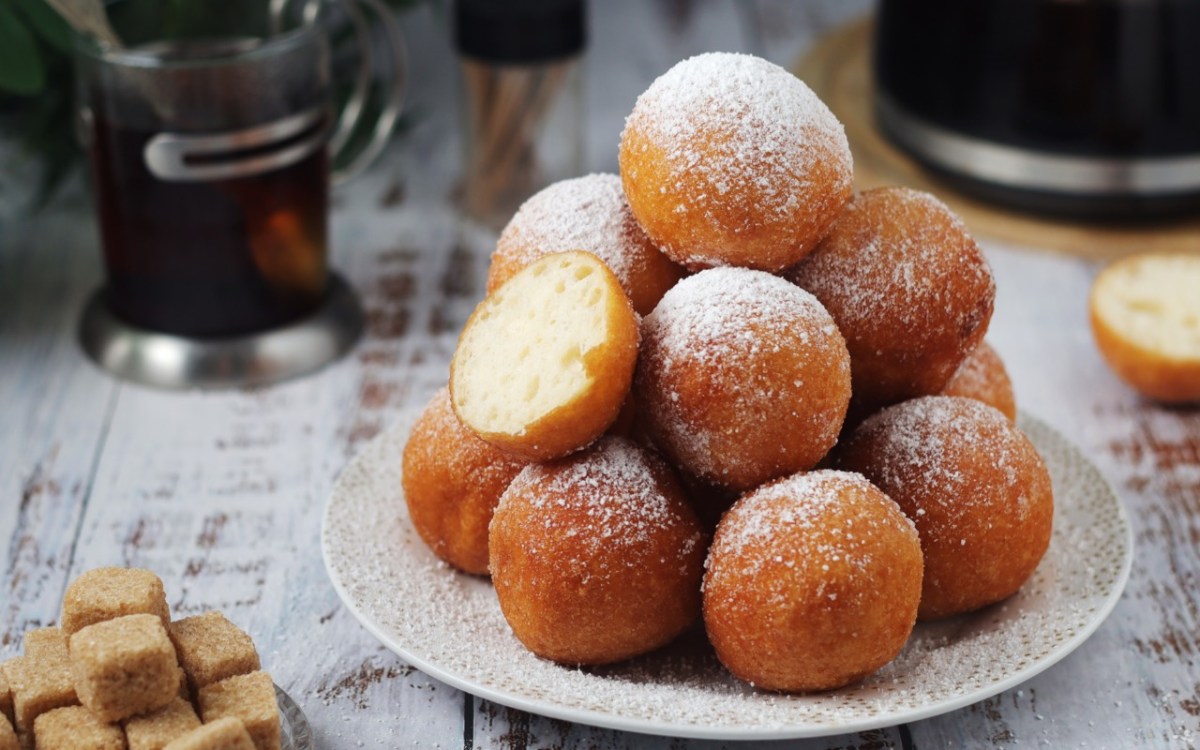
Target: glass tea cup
211 160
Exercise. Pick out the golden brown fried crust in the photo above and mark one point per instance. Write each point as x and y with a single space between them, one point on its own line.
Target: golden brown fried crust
812 583
910 290
975 487
593 565
452 481
982 376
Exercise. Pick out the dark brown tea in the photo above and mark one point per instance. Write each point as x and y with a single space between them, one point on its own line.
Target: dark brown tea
209 258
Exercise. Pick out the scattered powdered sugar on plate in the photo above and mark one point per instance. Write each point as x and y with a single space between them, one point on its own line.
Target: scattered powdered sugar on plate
450 625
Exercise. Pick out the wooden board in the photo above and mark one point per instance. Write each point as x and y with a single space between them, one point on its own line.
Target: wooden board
838 69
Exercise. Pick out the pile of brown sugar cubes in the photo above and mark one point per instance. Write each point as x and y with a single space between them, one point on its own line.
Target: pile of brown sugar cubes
119 674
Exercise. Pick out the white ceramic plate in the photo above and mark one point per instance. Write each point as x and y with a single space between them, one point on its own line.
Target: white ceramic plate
449 625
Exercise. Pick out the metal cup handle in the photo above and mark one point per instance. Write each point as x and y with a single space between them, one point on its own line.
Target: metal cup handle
394 83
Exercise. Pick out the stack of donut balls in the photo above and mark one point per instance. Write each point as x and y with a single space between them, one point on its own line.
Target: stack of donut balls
723 386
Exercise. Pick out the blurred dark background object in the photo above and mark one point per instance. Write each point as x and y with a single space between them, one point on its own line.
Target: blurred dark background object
1085 108
522 104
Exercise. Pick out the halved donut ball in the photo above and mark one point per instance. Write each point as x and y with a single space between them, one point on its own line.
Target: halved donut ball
728 159
545 362
1145 315
597 557
812 582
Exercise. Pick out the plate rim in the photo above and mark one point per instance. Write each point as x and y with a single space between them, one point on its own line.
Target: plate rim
594 718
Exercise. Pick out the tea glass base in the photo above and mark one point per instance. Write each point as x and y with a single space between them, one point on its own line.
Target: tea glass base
169 361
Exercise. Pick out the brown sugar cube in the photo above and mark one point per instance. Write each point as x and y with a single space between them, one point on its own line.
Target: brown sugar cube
8 736
6 706
39 683
153 731
211 648
107 593
76 728
223 734
249 697
45 641
48 645
124 667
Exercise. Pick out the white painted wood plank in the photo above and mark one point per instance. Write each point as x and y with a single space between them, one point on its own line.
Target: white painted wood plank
221 493
498 726
1134 682
54 409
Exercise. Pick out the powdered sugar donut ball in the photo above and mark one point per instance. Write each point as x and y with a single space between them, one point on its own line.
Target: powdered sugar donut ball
909 289
591 214
597 557
452 481
972 483
812 582
728 159
742 377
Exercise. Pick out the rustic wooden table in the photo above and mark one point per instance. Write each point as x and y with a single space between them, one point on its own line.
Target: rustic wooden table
222 493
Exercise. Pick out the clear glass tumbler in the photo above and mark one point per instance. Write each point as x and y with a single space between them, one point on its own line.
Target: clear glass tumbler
210 164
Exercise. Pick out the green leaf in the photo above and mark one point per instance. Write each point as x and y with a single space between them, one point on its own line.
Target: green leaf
46 22
21 70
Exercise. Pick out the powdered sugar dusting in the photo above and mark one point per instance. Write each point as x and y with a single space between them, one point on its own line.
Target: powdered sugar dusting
897 254
723 311
825 525
586 213
976 372
925 440
982 376
614 487
738 125
450 625
730 324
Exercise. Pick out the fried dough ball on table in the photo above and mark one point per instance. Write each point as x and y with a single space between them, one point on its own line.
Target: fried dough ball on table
728 159
972 483
742 377
909 289
812 582
590 214
597 557
983 377
452 481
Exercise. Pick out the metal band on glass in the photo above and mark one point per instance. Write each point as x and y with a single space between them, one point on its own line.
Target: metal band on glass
168 361
1020 168
185 157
